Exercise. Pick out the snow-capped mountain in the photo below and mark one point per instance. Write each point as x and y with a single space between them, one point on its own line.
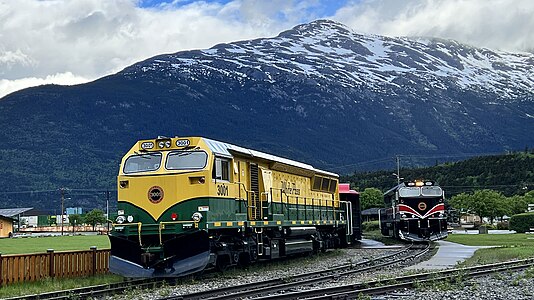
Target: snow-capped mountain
318 93
328 51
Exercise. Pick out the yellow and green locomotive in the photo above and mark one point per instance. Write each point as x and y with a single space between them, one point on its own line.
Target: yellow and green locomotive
190 203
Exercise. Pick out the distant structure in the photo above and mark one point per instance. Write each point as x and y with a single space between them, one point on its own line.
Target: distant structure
6 226
73 211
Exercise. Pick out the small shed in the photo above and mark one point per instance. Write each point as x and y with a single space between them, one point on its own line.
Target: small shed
370 214
6 226
13 214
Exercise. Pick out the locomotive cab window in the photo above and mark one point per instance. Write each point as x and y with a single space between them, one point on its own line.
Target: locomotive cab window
187 160
221 169
142 163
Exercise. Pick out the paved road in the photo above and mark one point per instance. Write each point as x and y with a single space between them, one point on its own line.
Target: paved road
448 255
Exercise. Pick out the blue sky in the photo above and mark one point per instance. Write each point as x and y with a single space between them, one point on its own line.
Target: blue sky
75 41
324 8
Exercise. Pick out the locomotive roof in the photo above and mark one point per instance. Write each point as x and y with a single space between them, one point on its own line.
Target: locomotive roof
226 149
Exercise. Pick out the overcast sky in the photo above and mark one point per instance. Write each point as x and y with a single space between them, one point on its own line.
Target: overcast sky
75 41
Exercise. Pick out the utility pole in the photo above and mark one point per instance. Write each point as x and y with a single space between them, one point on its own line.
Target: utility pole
398 169
62 190
107 209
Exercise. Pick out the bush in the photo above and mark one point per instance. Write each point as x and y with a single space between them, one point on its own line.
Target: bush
522 222
488 226
503 226
371 226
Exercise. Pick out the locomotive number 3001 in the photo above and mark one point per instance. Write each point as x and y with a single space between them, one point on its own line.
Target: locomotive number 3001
222 190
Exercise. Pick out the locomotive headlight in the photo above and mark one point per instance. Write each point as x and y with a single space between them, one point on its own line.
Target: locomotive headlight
161 144
196 217
130 219
168 144
403 216
120 219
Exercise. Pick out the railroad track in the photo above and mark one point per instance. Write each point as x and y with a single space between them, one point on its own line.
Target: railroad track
224 293
95 291
261 289
383 286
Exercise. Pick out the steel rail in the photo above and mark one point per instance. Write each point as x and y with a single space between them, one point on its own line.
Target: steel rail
94 291
383 286
277 284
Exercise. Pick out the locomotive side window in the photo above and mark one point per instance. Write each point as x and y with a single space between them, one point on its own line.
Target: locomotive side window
333 185
325 184
317 183
221 169
142 163
187 160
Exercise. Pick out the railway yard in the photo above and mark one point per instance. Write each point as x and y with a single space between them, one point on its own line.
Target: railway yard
353 273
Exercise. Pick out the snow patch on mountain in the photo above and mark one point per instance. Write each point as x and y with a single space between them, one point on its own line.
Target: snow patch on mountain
330 51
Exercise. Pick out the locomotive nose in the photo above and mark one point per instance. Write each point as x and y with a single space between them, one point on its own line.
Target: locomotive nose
425 232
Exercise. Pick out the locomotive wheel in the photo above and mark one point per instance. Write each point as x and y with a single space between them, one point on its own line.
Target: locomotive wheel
244 259
223 262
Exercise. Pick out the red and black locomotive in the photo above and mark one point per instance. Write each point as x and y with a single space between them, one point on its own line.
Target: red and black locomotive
415 211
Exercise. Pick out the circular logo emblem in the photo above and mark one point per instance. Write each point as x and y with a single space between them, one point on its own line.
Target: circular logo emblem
421 205
155 194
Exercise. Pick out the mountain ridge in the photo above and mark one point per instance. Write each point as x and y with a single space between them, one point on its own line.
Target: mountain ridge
318 93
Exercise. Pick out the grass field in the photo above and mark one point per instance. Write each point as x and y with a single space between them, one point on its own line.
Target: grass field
58 243
505 246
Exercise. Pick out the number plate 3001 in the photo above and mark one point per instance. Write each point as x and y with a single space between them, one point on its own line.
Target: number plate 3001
222 190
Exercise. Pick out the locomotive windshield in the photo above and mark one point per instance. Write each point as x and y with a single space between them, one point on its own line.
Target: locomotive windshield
425 191
187 160
431 191
410 191
142 163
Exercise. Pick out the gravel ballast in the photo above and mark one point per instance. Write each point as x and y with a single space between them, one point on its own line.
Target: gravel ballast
509 285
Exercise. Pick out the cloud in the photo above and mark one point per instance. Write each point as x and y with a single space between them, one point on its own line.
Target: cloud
495 24
9 86
92 38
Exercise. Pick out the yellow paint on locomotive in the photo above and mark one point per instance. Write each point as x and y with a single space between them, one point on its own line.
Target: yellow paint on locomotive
158 190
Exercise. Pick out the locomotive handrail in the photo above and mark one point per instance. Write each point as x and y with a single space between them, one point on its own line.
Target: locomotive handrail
139 226
246 191
162 225
249 194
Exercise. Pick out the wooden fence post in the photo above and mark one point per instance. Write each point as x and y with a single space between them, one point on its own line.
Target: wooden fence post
51 262
93 249
1 273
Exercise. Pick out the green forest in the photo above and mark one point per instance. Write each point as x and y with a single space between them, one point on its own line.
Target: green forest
511 174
